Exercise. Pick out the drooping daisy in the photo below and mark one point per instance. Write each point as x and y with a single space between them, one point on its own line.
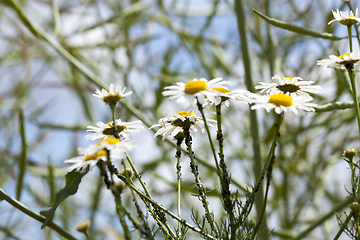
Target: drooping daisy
107 130
283 103
193 89
222 96
112 96
288 85
345 18
342 61
171 126
91 155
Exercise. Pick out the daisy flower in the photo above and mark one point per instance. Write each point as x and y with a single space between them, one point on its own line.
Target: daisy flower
91 155
191 90
288 85
112 96
222 96
345 18
342 61
171 126
283 103
107 130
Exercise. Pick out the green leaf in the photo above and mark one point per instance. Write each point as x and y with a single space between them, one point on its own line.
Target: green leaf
295 28
73 180
22 161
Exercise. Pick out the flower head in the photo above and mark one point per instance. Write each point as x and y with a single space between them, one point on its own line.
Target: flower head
288 85
91 155
342 61
283 103
107 130
112 96
221 96
175 124
193 89
345 18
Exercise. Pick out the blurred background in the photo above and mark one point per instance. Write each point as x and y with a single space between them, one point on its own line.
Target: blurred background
145 46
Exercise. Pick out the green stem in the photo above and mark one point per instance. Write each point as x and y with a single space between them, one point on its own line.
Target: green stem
147 191
15 203
150 200
114 120
178 173
120 212
268 168
209 137
199 184
148 232
224 176
88 236
351 72
241 22
347 220
350 38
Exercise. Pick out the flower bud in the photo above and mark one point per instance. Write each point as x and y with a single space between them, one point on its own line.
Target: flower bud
355 207
127 172
118 188
83 226
350 153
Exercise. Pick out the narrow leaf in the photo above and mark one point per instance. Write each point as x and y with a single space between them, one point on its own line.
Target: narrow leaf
73 180
294 28
22 160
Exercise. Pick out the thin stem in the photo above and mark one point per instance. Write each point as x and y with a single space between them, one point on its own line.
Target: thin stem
224 176
150 200
88 236
148 232
269 167
343 227
114 120
178 173
209 137
277 124
350 38
199 184
351 72
15 203
147 191
244 49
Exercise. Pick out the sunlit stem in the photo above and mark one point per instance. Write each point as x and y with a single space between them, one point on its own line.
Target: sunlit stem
351 72
224 176
209 137
267 169
112 106
178 172
199 185
146 191
350 38
88 236
343 227
16 204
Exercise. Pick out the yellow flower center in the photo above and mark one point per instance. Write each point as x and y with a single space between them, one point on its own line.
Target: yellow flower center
109 141
219 89
96 155
195 86
351 16
110 131
184 113
281 100
345 54
283 78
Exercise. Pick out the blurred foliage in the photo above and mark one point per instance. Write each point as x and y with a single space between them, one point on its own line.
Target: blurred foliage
145 46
